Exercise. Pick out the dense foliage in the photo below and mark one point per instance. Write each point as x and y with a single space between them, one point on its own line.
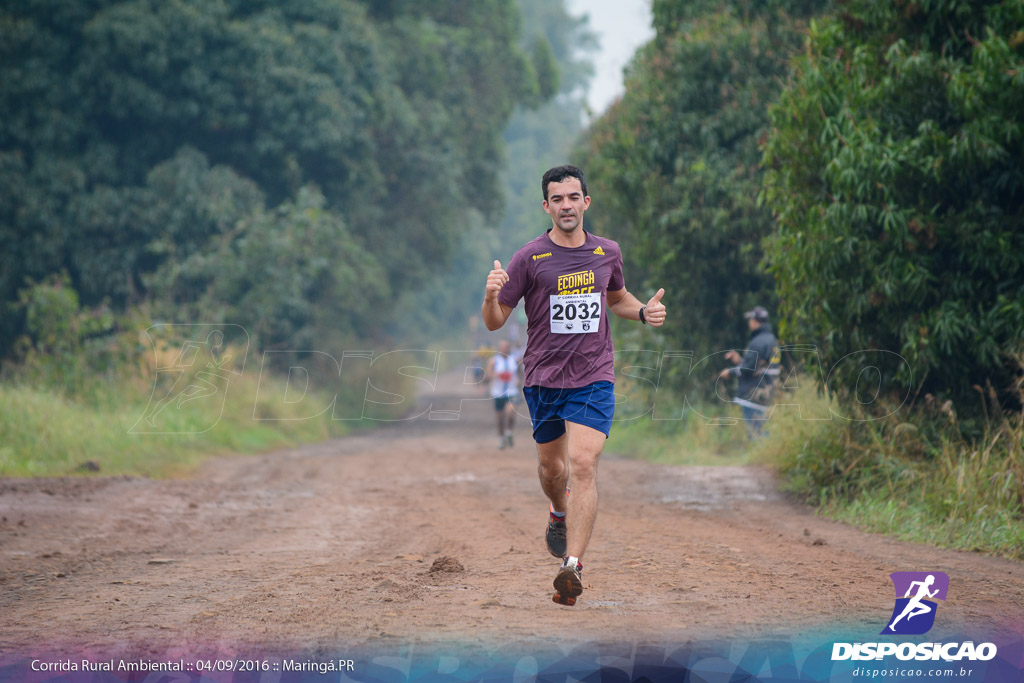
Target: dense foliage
674 166
896 172
250 158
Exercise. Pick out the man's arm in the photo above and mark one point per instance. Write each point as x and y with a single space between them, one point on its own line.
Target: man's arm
625 305
493 311
745 366
735 358
748 366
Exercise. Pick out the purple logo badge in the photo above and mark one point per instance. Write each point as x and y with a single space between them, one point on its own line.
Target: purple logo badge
916 592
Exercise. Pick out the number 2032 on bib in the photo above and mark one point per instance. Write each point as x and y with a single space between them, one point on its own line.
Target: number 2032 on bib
575 313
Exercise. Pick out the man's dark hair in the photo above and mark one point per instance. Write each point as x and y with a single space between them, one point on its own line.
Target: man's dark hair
560 173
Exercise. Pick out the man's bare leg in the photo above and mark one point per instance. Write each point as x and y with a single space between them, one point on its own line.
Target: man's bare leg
584 448
510 420
553 470
575 453
500 415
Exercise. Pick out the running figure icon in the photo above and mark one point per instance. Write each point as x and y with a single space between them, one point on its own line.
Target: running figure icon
917 595
916 607
208 357
204 383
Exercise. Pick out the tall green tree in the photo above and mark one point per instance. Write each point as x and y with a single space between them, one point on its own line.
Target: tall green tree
674 166
896 174
393 111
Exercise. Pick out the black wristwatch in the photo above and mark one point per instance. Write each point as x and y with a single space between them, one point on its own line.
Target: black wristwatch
642 318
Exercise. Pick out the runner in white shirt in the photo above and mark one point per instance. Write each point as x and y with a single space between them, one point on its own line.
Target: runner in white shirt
503 371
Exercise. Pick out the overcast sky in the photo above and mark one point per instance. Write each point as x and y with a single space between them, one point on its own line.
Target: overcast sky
622 26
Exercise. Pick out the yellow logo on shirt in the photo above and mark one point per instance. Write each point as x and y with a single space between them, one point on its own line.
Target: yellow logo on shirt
537 257
599 251
576 283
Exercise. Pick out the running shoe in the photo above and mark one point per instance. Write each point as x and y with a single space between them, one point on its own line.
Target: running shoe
511 441
555 537
568 584
502 443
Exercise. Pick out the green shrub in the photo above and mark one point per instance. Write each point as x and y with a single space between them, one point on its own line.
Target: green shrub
912 474
47 432
896 173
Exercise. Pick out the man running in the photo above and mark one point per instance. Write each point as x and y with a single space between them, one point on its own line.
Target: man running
503 372
568 279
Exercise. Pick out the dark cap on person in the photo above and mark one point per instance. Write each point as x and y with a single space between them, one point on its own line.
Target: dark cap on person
758 313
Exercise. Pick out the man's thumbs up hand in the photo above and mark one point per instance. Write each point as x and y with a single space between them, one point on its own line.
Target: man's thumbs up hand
654 311
496 279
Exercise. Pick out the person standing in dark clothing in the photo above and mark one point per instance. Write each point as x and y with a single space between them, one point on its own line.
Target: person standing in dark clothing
757 370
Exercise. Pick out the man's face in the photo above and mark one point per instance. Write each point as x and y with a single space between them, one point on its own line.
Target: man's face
566 204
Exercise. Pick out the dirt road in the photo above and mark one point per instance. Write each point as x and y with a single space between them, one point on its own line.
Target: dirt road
333 545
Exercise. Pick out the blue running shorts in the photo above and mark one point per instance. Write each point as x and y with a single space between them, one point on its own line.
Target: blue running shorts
592 406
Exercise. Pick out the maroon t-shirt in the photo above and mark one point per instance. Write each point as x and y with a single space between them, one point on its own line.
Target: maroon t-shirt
569 342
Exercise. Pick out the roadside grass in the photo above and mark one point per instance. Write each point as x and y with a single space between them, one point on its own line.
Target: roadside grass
712 437
910 473
47 432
